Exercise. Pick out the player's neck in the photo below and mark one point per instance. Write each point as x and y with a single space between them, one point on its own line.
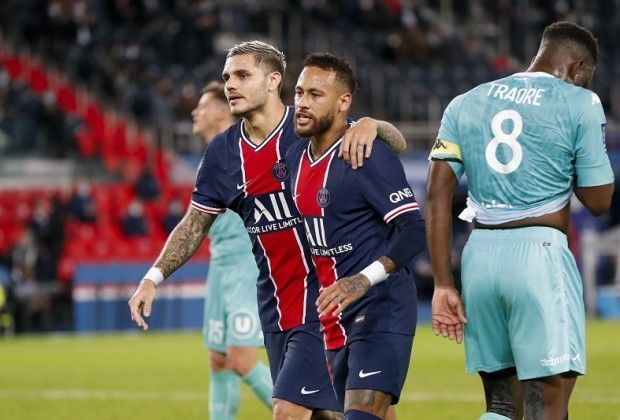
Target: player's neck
545 65
321 143
259 124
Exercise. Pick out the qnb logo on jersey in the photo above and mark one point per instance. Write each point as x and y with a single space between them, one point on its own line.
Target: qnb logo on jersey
315 232
272 213
400 195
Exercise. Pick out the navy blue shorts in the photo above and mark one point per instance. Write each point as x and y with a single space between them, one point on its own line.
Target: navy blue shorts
376 360
299 368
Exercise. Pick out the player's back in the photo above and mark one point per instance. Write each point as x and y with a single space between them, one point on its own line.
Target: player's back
518 140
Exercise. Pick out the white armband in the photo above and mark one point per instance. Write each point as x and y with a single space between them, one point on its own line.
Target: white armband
375 272
155 275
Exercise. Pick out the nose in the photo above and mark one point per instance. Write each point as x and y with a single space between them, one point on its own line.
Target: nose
301 101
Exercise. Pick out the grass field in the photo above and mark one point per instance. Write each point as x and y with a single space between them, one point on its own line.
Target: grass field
164 376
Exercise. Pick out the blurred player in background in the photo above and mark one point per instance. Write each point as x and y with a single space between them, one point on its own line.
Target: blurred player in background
243 169
231 329
525 142
363 226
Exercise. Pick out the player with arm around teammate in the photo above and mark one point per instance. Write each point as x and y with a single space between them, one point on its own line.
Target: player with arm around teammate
526 143
243 169
231 328
363 227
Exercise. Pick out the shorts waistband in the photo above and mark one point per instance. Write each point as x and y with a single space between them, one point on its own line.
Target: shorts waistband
518 234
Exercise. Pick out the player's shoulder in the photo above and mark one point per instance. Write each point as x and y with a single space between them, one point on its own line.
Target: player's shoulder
296 149
227 138
581 96
381 153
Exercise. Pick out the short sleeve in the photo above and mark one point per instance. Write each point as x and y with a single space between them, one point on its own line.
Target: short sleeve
208 192
592 165
384 185
447 146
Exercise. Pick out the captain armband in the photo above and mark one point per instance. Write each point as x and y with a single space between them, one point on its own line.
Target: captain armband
445 150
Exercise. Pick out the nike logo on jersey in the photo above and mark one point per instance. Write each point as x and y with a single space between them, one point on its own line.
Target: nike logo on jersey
304 391
242 186
363 374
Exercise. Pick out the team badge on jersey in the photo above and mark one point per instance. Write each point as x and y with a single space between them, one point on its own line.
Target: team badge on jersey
322 197
280 171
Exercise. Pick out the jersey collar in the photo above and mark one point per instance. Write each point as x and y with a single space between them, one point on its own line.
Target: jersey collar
266 139
326 153
533 74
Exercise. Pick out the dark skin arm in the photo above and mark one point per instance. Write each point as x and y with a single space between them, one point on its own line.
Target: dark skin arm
448 315
596 199
182 243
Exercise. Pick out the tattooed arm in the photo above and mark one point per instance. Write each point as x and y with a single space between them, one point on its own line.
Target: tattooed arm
391 136
337 297
357 141
182 243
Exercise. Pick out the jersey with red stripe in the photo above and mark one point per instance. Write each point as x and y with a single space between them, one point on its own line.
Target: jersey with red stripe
347 216
253 181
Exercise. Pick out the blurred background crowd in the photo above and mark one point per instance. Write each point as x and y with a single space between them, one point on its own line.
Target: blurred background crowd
96 152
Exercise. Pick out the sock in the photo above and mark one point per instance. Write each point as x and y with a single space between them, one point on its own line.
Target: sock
493 416
259 379
359 415
223 395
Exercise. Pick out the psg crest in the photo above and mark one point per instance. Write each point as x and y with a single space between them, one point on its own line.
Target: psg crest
280 171
322 197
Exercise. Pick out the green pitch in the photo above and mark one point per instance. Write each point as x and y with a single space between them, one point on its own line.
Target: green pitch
164 376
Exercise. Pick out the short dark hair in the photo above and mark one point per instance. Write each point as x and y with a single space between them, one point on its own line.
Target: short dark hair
217 89
326 61
264 54
569 31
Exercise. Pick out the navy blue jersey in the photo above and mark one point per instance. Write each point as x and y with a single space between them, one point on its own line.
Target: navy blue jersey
252 180
346 214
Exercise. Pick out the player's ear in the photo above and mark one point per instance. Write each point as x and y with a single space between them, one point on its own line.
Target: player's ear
344 102
273 81
573 71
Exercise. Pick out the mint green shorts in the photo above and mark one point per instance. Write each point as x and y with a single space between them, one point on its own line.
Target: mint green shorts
231 310
523 300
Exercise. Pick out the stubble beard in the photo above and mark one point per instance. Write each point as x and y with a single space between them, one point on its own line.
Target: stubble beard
321 126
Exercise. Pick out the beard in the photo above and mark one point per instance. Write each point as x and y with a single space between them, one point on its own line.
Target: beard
319 126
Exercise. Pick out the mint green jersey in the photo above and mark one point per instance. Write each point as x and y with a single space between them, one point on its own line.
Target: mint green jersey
229 237
523 142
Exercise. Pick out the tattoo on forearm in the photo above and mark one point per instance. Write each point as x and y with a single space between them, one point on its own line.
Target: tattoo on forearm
184 241
392 136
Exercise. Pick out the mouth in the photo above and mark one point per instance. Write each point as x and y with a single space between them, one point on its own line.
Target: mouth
302 118
232 98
